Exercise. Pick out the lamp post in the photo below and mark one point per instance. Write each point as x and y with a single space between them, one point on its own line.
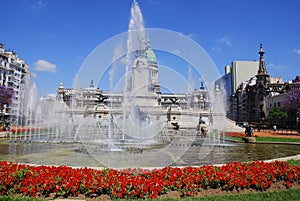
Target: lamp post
297 123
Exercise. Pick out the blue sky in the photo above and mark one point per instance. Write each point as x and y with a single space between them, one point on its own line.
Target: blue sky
55 36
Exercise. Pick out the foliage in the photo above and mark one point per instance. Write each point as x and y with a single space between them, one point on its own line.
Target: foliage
41 181
18 198
6 95
292 101
293 162
277 114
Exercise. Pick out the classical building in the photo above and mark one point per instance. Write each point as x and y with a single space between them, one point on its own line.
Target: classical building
15 75
144 86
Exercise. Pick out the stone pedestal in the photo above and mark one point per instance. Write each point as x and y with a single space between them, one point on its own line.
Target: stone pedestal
249 139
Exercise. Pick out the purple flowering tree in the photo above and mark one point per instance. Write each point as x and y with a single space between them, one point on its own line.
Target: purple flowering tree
5 99
291 104
5 96
292 101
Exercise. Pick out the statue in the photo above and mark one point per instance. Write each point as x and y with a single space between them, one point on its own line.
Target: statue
175 124
100 99
248 130
202 127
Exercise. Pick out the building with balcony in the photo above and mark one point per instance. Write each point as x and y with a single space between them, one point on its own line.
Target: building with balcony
14 75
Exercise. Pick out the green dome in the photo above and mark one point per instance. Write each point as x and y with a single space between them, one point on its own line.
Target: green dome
151 57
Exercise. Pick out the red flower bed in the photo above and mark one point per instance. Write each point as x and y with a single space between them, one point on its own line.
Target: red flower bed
26 129
65 181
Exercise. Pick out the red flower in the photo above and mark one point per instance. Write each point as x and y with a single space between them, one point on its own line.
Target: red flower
65 181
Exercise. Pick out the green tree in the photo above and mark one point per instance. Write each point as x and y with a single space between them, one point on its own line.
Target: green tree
277 116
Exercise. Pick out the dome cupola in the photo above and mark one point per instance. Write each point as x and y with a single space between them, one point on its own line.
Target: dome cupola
151 57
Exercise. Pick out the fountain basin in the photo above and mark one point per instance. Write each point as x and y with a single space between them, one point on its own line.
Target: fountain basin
68 154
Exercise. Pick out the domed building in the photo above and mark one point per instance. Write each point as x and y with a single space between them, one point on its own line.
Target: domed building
144 95
145 72
153 68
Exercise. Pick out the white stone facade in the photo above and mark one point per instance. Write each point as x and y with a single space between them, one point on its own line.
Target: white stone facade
15 75
144 92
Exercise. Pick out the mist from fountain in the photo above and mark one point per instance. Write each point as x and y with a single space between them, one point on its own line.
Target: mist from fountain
136 38
133 135
42 120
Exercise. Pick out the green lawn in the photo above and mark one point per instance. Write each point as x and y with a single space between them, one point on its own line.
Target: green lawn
266 196
276 139
286 195
267 139
294 162
17 198
233 138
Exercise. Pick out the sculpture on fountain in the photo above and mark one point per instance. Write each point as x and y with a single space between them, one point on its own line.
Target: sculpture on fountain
140 118
202 127
143 102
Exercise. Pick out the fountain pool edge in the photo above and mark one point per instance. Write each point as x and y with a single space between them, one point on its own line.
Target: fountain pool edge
294 157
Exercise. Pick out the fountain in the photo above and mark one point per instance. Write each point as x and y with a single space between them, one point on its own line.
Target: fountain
137 126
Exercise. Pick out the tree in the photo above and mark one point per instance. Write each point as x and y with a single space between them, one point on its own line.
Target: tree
277 116
291 105
6 95
292 101
5 99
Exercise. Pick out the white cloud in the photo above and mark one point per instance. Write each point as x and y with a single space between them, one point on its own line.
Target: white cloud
225 40
275 66
43 65
217 49
193 36
297 51
42 3
37 4
154 2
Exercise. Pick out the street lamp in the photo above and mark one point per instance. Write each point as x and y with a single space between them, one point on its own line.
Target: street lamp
297 119
297 122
